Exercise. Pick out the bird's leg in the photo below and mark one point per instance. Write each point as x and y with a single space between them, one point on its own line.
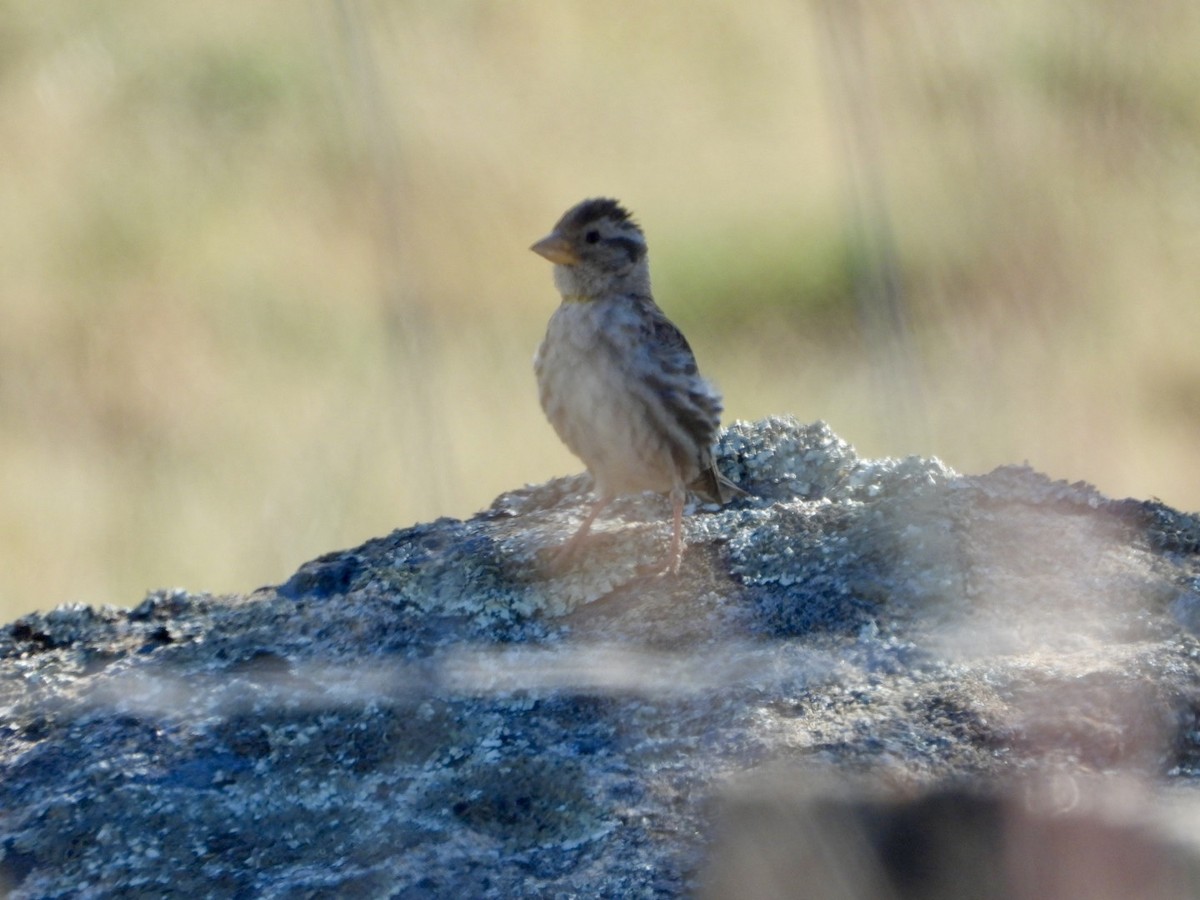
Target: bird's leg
675 554
571 547
670 562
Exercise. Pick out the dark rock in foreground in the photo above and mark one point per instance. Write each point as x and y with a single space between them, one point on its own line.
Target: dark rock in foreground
443 713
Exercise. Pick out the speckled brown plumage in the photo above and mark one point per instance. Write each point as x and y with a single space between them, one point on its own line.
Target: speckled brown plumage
617 380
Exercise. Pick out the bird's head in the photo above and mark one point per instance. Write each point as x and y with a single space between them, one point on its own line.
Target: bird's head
597 250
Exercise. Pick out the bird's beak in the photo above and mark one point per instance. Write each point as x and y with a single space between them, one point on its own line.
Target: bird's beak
557 249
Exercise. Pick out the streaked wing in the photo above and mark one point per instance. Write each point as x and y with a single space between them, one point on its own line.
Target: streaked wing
668 368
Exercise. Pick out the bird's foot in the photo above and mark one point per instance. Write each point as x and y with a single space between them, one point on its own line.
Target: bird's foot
668 565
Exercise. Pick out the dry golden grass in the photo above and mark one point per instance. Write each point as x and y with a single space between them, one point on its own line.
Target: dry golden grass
266 291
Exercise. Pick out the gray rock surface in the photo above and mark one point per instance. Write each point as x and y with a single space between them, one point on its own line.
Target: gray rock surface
448 712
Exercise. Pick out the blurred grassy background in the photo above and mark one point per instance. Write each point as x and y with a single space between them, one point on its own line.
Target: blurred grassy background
266 292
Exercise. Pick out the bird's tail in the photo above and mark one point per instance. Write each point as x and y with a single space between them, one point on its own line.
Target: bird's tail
715 487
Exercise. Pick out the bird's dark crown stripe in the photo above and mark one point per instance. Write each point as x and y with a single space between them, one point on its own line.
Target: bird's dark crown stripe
599 208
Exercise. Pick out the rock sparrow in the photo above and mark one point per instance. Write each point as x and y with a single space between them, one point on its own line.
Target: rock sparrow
616 378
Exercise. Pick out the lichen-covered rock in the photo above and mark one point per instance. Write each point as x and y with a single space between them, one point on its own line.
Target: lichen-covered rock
449 711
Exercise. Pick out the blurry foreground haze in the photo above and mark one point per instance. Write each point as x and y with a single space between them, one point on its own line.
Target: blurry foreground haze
265 289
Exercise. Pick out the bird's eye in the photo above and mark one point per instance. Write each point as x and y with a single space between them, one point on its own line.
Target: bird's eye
592 236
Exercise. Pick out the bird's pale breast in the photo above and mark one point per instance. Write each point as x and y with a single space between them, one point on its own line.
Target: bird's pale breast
593 393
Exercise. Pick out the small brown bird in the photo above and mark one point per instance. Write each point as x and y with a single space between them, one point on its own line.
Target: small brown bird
617 379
